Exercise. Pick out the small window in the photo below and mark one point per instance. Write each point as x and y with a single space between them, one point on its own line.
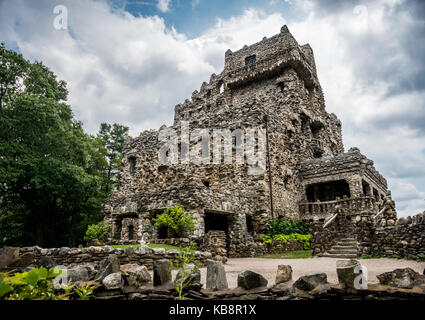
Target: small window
281 87
250 225
132 161
250 62
130 232
207 183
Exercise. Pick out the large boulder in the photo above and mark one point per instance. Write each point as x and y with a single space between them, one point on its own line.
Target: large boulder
8 255
216 275
23 260
143 250
283 274
310 281
79 274
161 272
135 275
192 279
250 280
348 271
113 281
109 265
401 278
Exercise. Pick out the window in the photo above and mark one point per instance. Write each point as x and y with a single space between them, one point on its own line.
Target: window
250 62
132 161
130 232
281 86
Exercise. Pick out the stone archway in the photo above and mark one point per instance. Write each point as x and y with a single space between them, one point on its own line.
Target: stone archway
129 230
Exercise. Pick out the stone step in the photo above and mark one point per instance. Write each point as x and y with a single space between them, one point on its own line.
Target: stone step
334 251
345 247
353 243
341 256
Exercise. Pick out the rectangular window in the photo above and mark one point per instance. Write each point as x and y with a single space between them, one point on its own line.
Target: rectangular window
132 161
250 62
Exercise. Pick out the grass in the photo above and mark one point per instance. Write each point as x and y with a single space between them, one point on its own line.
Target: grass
297 254
150 245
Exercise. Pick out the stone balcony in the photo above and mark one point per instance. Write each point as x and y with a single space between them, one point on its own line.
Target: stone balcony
345 206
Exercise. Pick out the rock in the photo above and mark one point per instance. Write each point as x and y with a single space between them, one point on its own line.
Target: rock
113 281
46 262
63 251
250 280
347 271
137 296
283 289
310 281
8 255
192 280
401 278
284 273
135 275
79 274
161 272
108 249
159 251
173 252
23 260
216 276
109 265
94 249
129 250
143 250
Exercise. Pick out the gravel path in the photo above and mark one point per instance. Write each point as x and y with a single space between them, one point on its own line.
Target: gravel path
268 267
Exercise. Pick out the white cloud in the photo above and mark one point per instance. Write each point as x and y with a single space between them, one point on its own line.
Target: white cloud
163 5
133 70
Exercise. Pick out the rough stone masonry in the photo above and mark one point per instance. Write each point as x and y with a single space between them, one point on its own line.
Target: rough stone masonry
271 83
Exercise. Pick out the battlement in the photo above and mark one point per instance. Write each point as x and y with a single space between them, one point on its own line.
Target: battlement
268 58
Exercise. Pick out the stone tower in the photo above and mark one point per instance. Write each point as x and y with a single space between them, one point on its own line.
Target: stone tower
276 78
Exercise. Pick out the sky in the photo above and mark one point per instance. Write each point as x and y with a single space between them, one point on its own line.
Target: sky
131 62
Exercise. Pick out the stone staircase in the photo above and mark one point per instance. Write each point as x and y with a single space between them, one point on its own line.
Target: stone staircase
346 248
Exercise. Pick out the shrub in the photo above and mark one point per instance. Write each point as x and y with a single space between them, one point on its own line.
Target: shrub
281 226
37 284
303 238
175 219
97 232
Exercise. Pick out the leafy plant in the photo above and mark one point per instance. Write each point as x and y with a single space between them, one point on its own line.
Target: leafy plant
281 226
186 257
302 238
98 231
175 219
37 284
32 285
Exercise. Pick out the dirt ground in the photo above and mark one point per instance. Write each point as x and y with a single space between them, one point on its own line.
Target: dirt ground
268 267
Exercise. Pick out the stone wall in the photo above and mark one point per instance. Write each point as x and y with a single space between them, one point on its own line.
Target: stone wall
69 257
405 239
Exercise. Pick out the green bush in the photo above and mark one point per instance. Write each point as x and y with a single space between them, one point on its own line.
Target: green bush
37 284
281 226
175 219
97 232
303 238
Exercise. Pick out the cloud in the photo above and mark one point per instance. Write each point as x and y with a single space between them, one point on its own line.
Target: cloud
133 70
163 5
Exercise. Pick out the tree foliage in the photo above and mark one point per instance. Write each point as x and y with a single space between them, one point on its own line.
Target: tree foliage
51 171
112 137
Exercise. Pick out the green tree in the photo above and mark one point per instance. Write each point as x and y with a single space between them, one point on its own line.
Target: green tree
50 170
177 220
112 137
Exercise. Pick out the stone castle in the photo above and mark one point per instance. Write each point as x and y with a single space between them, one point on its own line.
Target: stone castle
273 84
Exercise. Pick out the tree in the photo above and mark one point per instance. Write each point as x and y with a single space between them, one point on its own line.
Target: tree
51 172
177 220
112 138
